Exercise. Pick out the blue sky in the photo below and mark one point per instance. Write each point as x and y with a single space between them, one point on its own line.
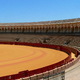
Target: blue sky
38 10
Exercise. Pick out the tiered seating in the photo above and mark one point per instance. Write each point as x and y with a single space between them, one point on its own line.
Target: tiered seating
48 39
65 40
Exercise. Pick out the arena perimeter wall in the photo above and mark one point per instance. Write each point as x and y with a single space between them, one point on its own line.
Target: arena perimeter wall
57 67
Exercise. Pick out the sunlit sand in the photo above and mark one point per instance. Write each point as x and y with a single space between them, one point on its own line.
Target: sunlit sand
16 58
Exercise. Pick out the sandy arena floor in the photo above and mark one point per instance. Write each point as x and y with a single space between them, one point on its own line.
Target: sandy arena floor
16 58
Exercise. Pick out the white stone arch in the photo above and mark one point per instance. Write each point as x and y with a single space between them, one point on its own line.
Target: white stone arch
63 28
7 29
56 28
47 29
60 28
78 25
39 29
67 27
44 28
50 28
53 28
74 28
25 29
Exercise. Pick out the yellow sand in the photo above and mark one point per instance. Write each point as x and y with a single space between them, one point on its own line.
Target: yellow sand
16 58
73 55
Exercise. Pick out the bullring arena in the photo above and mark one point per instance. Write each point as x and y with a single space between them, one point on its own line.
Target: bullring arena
40 50
29 55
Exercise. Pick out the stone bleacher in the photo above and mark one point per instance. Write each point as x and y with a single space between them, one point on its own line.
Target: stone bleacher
44 39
